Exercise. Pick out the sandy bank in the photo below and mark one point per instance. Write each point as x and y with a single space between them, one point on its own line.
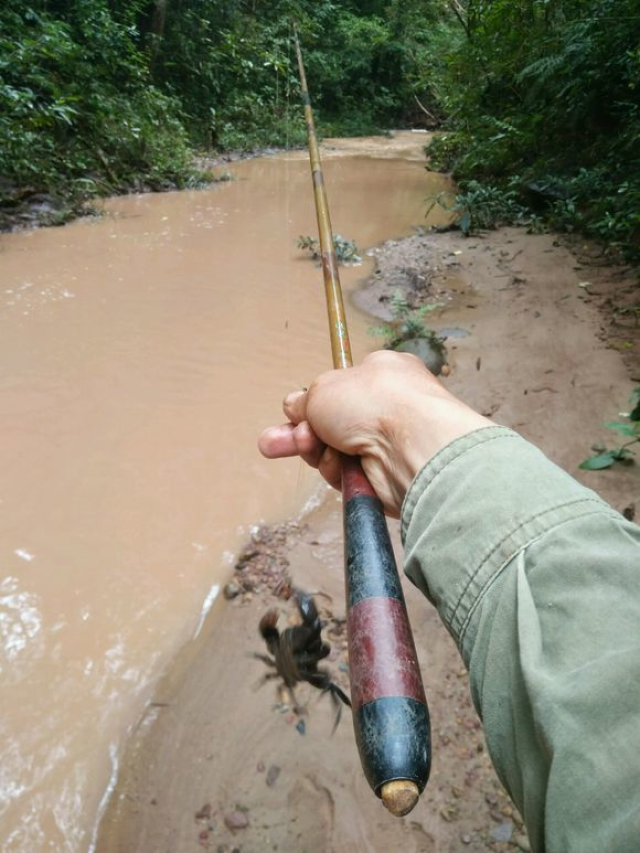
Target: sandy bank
220 765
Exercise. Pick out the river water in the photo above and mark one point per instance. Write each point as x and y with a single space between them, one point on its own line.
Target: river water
142 354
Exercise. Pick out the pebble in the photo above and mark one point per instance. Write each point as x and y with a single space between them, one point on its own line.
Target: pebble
245 560
231 590
465 838
272 775
236 820
301 727
203 813
449 813
522 842
502 832
431 353
260 767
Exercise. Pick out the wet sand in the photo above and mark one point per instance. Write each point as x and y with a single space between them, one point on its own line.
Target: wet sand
219 764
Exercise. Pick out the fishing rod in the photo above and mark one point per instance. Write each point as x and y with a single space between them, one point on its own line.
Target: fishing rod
390 714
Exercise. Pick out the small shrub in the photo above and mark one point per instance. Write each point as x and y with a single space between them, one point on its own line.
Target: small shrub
444 150
630 428
478 206
345 249
407 323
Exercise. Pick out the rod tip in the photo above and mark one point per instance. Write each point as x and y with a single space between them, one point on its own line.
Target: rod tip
400 796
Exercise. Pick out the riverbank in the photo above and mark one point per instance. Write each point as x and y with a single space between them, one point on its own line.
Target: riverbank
219 764
24 207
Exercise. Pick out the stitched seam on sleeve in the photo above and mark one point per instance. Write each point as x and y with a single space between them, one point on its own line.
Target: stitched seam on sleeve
440 464
600 509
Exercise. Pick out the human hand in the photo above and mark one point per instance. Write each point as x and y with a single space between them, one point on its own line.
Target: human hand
390 411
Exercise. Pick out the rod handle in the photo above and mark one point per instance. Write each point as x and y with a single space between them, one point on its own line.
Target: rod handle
390 714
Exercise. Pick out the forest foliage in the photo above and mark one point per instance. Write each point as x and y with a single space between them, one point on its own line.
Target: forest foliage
539 99
98 94
543 99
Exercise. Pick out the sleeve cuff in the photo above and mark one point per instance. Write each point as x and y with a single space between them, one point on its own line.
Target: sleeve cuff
472 508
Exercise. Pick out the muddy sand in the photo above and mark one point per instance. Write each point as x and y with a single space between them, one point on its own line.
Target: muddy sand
543 339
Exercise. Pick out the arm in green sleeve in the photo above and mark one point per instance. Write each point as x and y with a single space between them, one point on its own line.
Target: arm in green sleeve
538 581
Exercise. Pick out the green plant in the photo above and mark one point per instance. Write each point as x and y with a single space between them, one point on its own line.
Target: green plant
480 207
443 150
605 457
345 249
549 91
407 323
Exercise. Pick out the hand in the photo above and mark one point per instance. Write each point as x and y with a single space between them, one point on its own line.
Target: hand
390 410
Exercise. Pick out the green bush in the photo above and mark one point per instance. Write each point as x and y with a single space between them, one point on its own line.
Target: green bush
550 92
479 206
78 112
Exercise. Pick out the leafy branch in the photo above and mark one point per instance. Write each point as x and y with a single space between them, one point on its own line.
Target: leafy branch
605 457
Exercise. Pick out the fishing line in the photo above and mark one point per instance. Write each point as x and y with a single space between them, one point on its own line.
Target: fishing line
287 184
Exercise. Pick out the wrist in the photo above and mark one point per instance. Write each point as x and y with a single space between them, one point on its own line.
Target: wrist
423 429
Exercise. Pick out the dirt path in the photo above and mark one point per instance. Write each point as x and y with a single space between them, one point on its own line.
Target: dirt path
221 766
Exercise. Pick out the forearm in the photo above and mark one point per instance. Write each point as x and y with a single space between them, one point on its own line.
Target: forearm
538 581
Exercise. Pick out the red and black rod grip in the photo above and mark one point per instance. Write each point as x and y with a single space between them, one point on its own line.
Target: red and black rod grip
390 714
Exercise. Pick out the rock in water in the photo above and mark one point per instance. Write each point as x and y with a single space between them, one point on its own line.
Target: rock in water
231 590
432 354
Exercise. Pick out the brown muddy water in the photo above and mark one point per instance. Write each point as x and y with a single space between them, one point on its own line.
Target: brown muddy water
142 354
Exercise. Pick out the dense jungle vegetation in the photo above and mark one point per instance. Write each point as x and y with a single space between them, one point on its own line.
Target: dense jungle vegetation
538 100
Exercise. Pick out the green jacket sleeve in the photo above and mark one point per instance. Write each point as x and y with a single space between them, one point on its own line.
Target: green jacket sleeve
538 581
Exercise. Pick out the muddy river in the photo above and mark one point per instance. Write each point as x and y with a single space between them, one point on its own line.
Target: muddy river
142 354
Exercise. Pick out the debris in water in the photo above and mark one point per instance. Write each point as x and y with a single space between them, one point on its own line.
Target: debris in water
24 554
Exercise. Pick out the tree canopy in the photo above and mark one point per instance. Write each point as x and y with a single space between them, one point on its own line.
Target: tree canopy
538 97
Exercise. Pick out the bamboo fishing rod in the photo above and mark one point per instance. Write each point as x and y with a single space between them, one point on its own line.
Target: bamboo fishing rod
390 714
